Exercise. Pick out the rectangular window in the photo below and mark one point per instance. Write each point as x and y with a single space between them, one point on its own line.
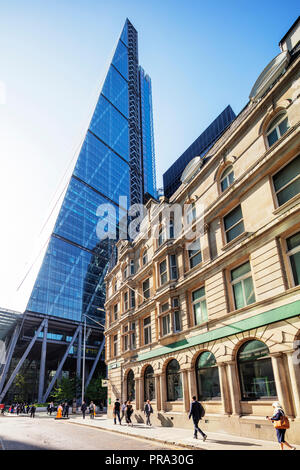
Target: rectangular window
161 236
115 345
145 257
116 311
125 301
195 255
242 286
147 330
126 343
287 181
132 298
234 224
163 272
293 252
146 288
164 307
191 214
166 325
125 272
199 306
133 336
132 267
173 266
177 321
175 302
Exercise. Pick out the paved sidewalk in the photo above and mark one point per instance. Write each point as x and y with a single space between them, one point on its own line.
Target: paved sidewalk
178 436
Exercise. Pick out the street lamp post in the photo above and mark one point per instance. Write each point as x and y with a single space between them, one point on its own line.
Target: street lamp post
84 346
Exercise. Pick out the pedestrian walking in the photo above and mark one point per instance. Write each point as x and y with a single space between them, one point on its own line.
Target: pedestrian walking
148 410
66 410
197 413
83 409
123 409
281 424
27 408
92 409
32 411
128 413
51 408
116 411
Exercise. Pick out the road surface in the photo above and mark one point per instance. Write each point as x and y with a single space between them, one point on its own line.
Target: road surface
46 433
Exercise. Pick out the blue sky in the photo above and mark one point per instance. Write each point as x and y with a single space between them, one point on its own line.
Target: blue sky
201 56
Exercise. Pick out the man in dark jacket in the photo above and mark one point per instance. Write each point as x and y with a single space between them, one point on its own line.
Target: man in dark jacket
83 409
148 410
196 414
116 411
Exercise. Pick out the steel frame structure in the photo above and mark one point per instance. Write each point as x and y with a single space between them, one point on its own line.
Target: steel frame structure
33 338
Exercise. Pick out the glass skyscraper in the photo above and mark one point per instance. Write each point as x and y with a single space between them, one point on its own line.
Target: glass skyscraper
116 159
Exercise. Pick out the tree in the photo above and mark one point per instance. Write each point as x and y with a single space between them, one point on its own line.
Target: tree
65 390
95 392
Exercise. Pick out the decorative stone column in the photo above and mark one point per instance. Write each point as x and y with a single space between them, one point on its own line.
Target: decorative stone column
185 389
157 392
226 408
141 397
281 382
192 382
137 393
294 372
234 388
163 391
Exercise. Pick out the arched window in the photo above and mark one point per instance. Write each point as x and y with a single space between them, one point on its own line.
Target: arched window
227 178
174 383
256 371
208 384
130 386
149 384
277 128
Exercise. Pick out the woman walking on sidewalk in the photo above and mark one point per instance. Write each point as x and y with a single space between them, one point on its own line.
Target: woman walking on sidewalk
281 424
128 413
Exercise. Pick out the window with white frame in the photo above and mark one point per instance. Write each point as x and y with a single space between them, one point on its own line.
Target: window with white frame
173 267
146 288
165 324
191 213
171 228
116 309
194 252
163 272
199 306
242 285
161 236
126 338
132 298
177 321
277 128
132 267
132 336
115 345
287 181
227 178
147 330
293 252
125 300
145 257
234 224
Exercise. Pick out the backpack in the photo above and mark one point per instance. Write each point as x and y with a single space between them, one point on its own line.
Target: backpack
202 411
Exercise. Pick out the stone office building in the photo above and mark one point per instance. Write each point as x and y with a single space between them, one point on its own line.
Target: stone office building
219 319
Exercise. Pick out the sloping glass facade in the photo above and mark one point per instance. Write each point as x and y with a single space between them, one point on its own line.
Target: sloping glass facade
70 282
148 156
171 178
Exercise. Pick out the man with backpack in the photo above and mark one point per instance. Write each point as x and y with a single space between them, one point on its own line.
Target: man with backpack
197 412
